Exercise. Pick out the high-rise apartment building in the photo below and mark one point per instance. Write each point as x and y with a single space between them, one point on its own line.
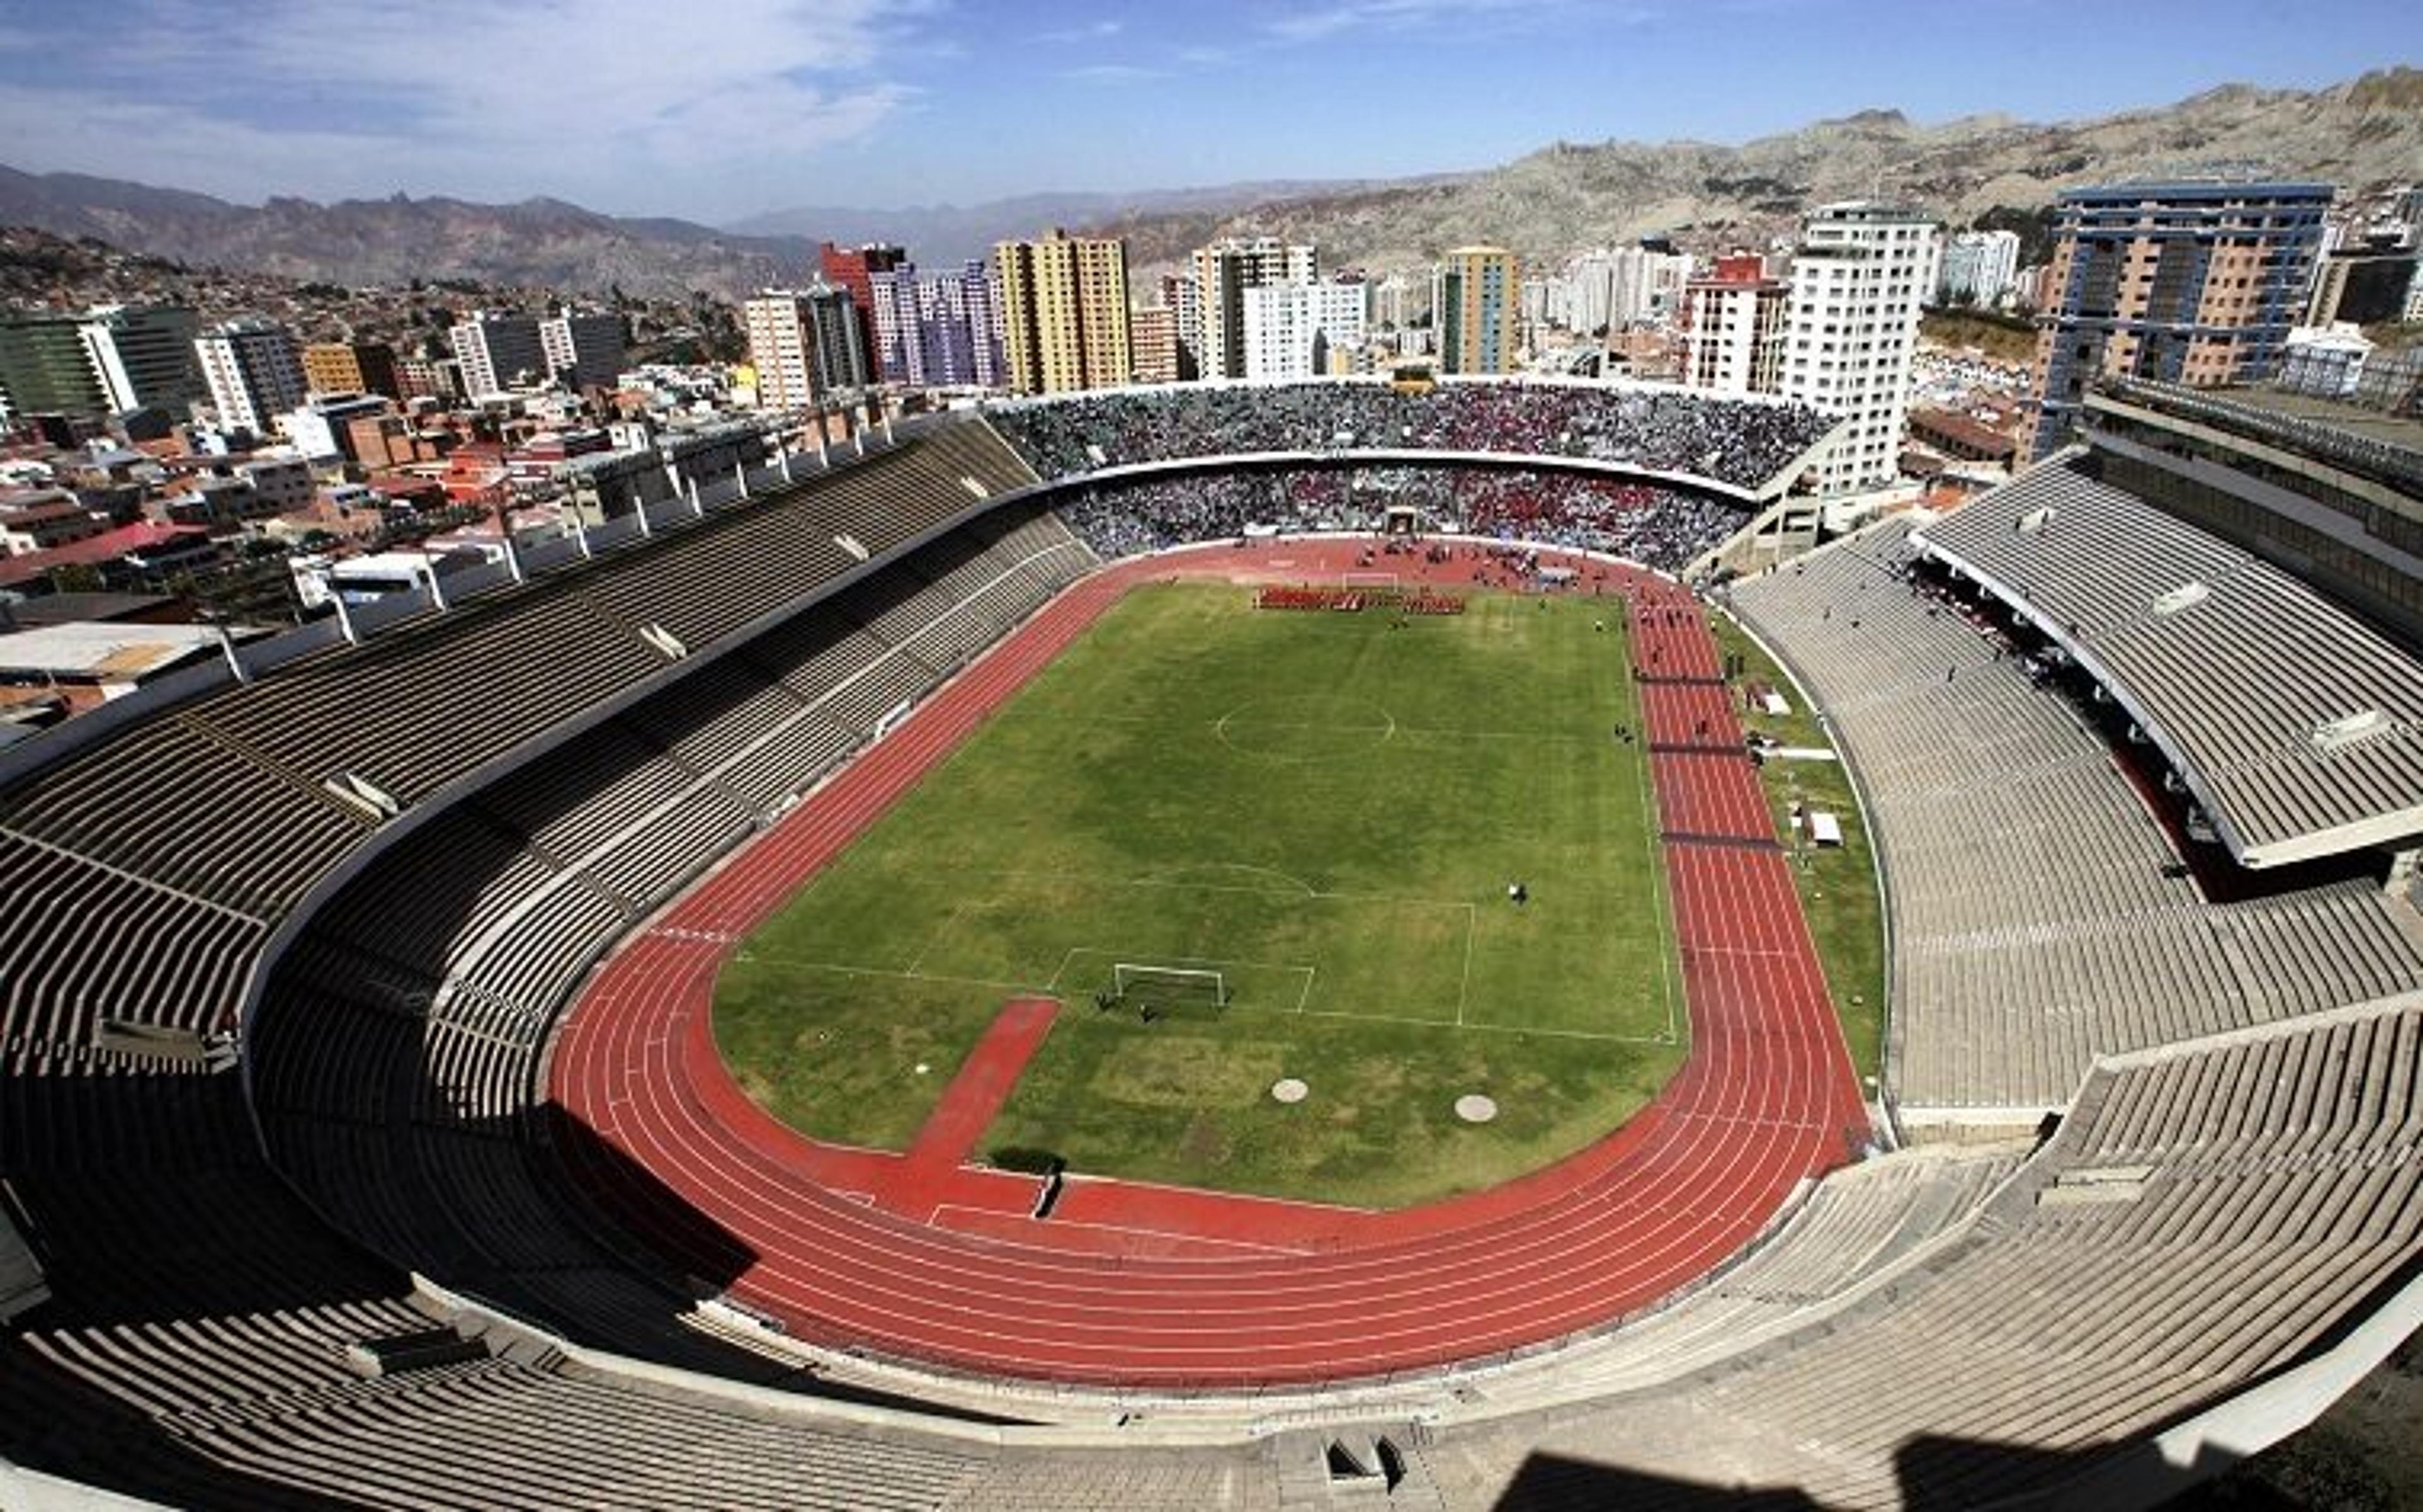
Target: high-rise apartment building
854 269
45 368
1152 331
426 378
838 331
583 348
1603 291
1979 268
805 344
1476 297
1301 330
498 352
2188 281
2366 278
1184 300
1064 313
255 372
936 330
1860 278
145 354
109 359
1735 321
776 323
1223 272
352 367
1397 303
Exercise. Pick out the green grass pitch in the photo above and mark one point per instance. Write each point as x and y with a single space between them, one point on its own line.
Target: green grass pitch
1327 809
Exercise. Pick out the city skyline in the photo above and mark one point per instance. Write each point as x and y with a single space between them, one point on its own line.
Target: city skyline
844 103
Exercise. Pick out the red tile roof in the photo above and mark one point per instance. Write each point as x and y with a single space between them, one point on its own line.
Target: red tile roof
127 540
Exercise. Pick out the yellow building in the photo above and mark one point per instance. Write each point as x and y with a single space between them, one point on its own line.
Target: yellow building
1064 313
350 368
1477 301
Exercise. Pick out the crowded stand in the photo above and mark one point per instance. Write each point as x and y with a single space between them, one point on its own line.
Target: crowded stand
1153 515
1736 443
1660 528
1656 526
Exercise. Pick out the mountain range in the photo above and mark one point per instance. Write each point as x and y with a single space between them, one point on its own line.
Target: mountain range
1554 201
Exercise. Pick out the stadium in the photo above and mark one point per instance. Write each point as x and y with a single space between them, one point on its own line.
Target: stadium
374 1132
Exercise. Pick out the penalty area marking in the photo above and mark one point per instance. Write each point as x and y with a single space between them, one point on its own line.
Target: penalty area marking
1192 963
1599 1036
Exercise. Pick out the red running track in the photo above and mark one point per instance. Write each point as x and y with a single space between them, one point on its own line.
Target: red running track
1135 1284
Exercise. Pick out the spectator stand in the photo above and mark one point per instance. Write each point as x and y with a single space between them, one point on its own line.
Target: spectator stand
1751 448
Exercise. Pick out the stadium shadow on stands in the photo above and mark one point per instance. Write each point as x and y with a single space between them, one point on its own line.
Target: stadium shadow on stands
53 1423
1931 1473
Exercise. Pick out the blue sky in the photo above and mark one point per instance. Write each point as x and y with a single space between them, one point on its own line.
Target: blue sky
714 109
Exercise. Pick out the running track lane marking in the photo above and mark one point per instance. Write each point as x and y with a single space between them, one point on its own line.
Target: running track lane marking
1651 1207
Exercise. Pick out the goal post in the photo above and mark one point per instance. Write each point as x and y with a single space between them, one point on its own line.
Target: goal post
1169 983
1370 582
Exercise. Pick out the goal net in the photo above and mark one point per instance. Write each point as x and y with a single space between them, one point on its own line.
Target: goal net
1382 583
1168 985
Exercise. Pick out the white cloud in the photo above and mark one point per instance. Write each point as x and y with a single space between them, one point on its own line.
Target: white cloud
1112 73
486 98
1323 22
1091 32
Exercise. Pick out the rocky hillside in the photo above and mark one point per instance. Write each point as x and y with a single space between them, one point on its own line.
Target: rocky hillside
1572 196
543 243
1555 201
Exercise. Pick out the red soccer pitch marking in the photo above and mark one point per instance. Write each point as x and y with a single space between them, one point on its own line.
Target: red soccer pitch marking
1149 1285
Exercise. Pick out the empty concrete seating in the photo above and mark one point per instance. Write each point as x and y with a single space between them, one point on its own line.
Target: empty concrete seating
1857 1222
675 842
413 915
272 1397
711 715
139 806
2035 926
2209 1214
85 941
541 951
705 583
863 701
580 795
410 713
2302 724
812 653
787 759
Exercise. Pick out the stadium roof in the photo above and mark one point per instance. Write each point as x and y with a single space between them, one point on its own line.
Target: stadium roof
2296 726
2372 424
2372 445
99 652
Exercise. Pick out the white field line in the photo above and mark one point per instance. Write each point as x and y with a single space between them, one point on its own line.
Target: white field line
1463 989
949 920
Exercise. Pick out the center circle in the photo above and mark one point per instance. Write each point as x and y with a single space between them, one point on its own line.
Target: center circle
1306 728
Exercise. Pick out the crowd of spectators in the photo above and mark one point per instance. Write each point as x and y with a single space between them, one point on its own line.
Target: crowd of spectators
1656 526
1737 442
1659 527
1122 519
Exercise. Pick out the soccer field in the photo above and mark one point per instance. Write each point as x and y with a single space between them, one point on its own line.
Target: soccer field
1325 809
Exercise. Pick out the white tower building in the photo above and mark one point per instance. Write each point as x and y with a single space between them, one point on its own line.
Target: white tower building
1301 330
255 372
1859 278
